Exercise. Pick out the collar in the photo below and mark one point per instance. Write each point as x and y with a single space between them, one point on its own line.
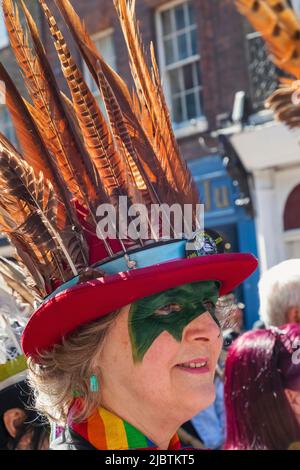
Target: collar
106 431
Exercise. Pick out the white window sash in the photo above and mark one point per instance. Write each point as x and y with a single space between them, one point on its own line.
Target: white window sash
4 40
6 124
169 5
165 68
182 62
296 6
87 76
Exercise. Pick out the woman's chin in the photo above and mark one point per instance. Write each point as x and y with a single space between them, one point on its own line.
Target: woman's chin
197 401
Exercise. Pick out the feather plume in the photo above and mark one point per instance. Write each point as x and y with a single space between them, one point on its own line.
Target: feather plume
286 16
91 54
279 26
38 154
33 203
16 278
152 100
41 278
74 162
155 165
38 89
31 144
33 149
116 96
92 57
95 132
121 133
71 158
284 105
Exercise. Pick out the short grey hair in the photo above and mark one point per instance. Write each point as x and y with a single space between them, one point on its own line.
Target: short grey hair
279 289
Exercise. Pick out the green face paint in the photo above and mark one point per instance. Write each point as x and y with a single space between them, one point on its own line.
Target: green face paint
171 310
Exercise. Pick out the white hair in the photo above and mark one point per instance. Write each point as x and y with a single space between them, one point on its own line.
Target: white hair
279 289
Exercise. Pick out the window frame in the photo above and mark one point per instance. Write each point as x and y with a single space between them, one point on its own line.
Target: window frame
258 107
86 73
7 128
194 125
5 41
296 7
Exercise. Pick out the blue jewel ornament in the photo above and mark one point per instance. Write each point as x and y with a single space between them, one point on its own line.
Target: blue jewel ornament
94 384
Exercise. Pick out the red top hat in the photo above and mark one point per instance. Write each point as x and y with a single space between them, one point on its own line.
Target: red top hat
74 305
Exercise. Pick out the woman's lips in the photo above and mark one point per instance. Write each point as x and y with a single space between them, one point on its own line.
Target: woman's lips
195 366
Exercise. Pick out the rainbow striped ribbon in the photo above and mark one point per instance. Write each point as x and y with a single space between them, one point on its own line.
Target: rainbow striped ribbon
106 431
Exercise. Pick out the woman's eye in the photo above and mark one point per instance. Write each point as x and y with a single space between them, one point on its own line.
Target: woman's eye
167 309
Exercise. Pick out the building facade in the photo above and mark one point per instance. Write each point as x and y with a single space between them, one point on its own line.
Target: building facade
270 152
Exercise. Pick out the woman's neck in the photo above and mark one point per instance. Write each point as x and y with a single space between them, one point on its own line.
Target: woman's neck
157 425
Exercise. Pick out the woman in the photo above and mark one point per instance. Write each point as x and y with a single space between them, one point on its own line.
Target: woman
154 370
262 390
123 346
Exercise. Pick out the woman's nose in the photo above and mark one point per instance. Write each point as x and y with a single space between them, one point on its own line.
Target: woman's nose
203 328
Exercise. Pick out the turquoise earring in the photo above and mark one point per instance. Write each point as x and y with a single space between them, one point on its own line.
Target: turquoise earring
94 384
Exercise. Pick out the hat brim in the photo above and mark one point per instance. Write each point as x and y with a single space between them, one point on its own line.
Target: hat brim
90 300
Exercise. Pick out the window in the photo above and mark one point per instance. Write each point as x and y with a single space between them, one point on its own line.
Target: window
4 41
263 74
296 5
6 126
180 61
105 44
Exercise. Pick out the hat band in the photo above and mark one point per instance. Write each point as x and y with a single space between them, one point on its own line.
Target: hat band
143 259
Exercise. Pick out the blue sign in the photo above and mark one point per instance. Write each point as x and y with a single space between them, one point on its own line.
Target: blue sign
219 193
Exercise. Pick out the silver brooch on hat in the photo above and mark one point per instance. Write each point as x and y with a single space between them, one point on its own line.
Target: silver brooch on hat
205 242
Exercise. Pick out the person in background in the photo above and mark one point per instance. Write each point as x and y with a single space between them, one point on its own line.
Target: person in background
21 427
279 294
262 390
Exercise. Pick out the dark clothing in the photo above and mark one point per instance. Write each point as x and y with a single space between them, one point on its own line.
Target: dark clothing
69 440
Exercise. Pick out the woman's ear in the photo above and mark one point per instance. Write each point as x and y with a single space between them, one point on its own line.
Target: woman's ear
293 397
13 419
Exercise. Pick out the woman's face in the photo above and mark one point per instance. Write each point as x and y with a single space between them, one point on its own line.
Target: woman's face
162 352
